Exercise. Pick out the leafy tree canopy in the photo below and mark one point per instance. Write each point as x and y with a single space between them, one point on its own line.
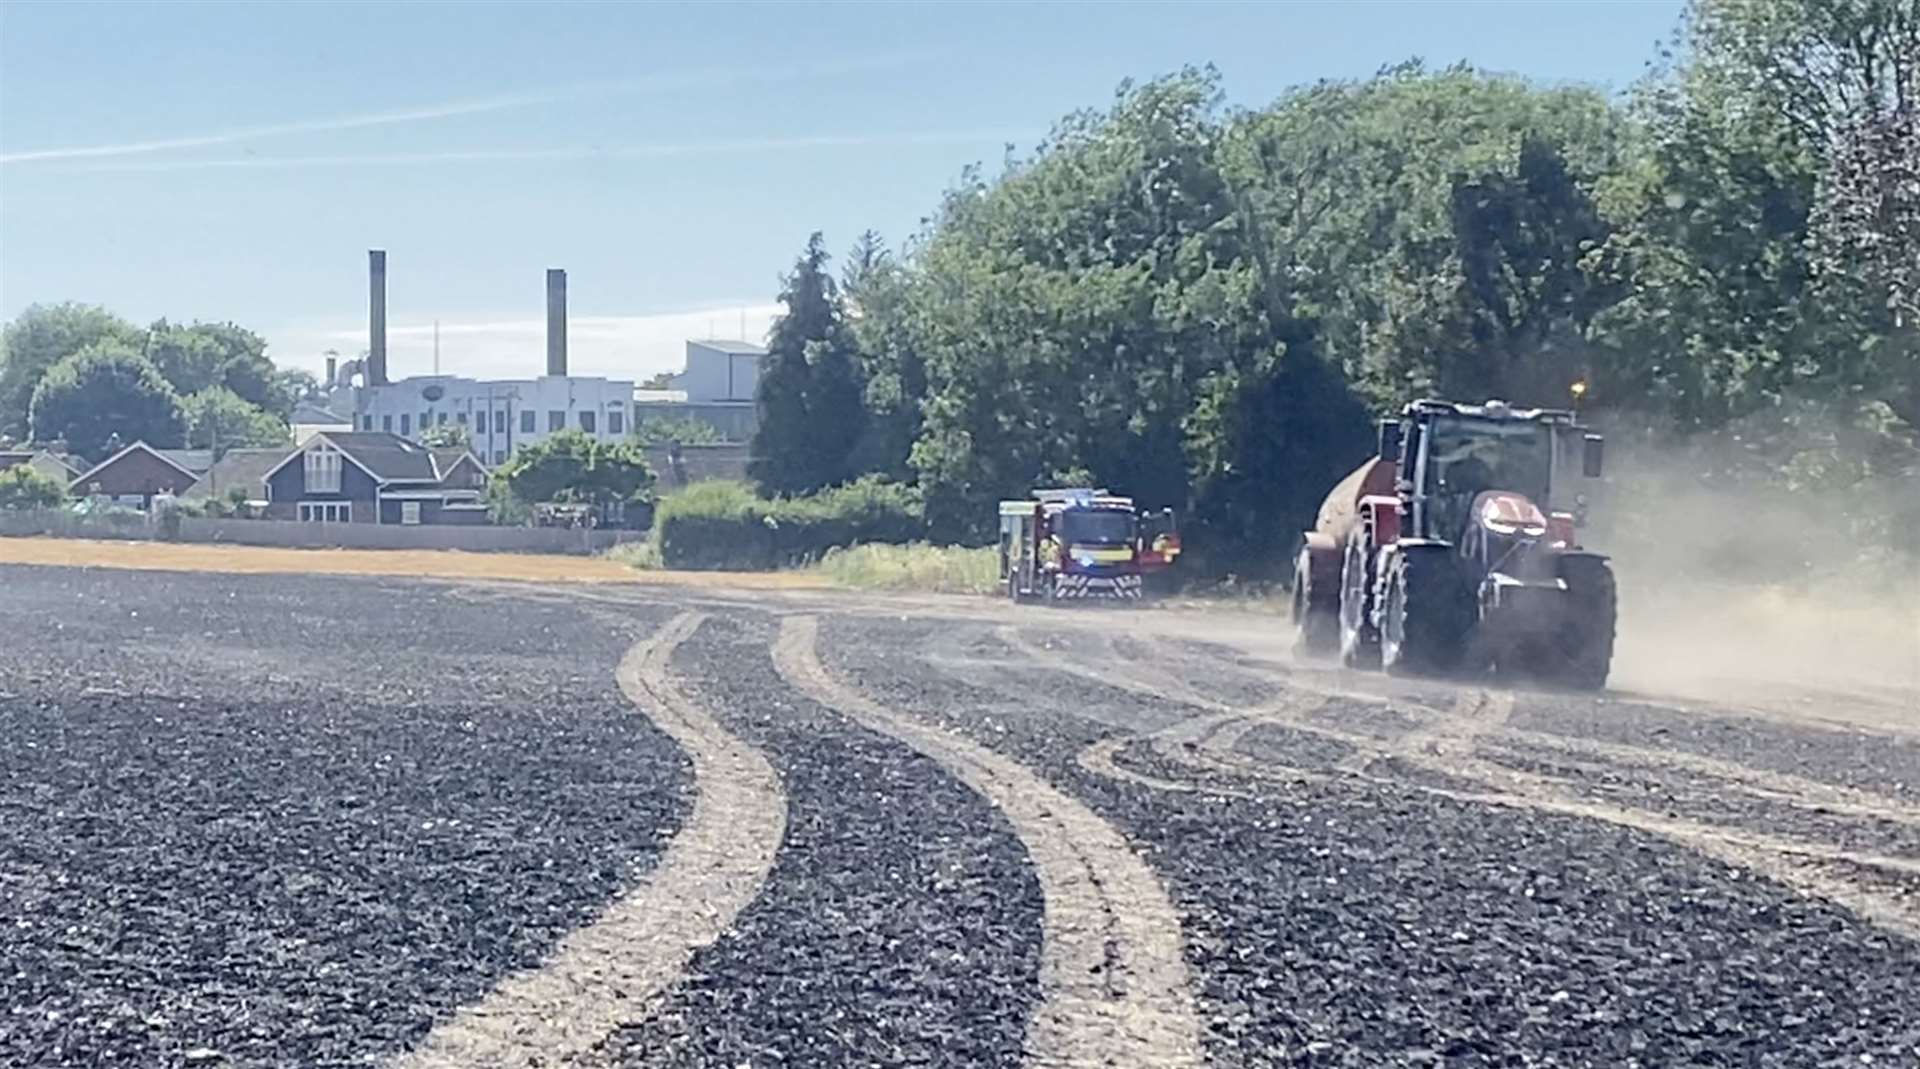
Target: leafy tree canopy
218 417
21 487
570 466
42 336
103 391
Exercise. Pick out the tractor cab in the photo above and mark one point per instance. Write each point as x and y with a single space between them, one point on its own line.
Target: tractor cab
1449 455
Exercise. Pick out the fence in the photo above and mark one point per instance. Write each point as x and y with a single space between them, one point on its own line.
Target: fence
60 524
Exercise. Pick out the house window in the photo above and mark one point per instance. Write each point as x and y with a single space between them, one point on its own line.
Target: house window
500 420
616 422
526 421
323 469
410 512
386 424
426 420
480 422
440 418
406 423
586 420
499 457
462 417
556 420
326 512
366 422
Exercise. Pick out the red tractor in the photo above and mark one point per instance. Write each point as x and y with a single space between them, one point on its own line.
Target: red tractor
1457 550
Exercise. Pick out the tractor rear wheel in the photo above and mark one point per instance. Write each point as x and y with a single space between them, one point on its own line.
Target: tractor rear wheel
1583 643
1359 641
1316 612
1428 613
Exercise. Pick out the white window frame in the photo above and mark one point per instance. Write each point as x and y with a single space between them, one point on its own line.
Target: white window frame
322 468
410 513
326 512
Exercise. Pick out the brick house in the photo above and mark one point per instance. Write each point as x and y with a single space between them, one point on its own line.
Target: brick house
375 477
137 474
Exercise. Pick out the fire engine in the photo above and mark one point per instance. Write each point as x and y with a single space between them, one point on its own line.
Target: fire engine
1082 543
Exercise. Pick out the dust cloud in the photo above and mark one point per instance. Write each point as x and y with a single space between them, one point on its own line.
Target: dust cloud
1745 579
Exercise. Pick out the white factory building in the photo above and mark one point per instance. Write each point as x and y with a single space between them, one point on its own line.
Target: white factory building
500 415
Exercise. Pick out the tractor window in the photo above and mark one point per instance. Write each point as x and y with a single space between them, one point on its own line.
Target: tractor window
1466 456
1101 527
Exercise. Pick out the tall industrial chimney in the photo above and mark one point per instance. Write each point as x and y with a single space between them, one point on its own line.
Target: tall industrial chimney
376 317
556 321
333 371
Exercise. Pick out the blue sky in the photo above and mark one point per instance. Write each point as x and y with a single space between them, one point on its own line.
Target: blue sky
229 161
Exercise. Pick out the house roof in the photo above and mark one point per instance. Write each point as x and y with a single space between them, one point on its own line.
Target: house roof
388 458
738 348
239 467
50 464
161 454
448 457
310 413
193 460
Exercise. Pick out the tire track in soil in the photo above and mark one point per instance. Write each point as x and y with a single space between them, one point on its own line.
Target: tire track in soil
609 971
1114 984
1445 747
1471 719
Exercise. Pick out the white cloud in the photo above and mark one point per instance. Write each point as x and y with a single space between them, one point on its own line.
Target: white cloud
615 346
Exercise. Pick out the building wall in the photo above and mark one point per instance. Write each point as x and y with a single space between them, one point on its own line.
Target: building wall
134 479
716 375
735 421
478 405
287 488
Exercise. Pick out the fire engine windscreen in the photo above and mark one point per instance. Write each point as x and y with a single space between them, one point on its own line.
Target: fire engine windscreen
1096 527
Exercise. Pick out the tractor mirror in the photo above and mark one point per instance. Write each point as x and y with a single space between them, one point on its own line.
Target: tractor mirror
1390 440
1592 455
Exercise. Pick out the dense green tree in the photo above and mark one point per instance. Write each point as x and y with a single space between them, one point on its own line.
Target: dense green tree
218 418
102 392
809 393
292 387
447 435
1434 226
880 294
194 358
659 430
21 487
574 467
42 336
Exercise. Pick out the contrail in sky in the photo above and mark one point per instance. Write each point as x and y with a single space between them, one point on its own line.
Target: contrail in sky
474 106
602 152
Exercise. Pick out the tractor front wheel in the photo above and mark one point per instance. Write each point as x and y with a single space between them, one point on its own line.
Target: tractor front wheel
1583 643
1427 614
1316 612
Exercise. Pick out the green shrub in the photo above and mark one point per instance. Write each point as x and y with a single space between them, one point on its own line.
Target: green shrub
21 487
919 566
725 525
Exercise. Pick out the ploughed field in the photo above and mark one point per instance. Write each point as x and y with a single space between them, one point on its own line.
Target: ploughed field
277 820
